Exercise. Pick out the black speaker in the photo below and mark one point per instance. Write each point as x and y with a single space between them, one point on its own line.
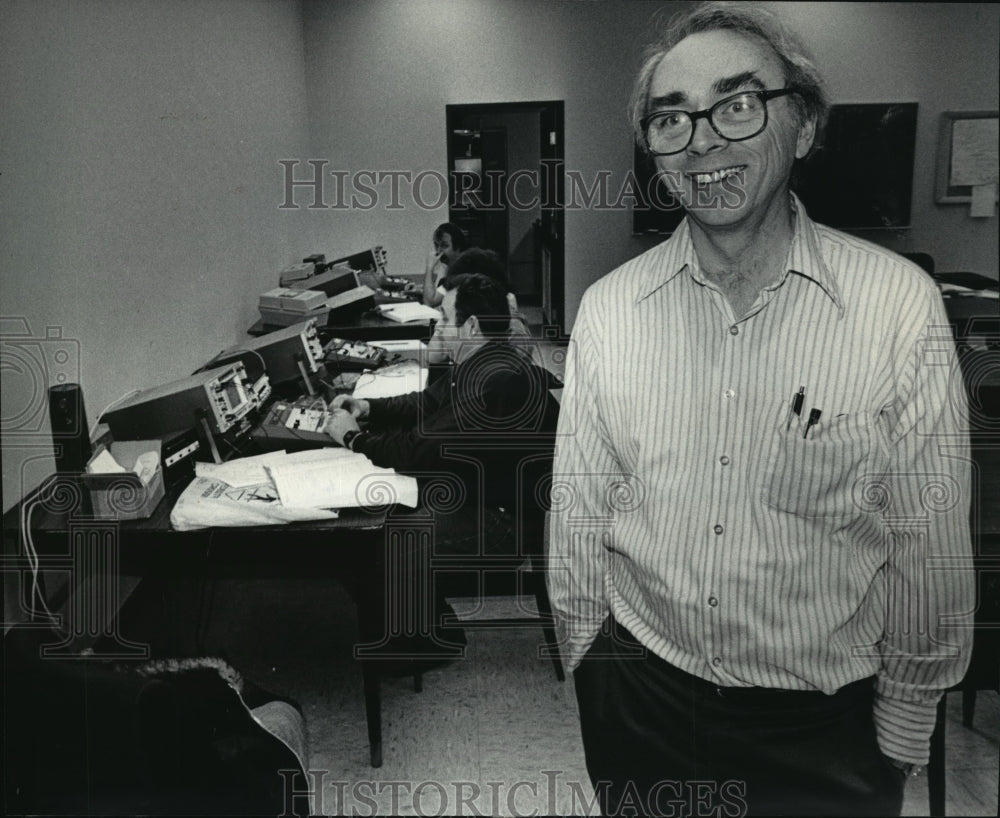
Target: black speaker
70 432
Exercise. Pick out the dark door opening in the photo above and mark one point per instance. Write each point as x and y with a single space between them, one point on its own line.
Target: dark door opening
505 163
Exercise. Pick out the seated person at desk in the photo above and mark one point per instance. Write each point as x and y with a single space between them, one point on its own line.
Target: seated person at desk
449 241
485 262
494 395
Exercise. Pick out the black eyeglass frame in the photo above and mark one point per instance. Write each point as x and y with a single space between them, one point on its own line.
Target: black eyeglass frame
694 116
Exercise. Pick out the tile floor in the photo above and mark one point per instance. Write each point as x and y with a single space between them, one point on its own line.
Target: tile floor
494 734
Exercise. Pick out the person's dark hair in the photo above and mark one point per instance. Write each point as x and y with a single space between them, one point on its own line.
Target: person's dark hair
458 240
477 260
479 295
810 100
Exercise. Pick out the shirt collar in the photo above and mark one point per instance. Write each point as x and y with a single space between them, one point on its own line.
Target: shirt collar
805 257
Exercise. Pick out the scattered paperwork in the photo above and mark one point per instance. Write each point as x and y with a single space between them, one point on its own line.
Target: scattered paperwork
409 311
145 467
252 471
389 381
350 482
277 487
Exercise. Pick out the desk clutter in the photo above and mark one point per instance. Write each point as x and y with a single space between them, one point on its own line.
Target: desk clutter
262 397
279 487
125 480
335 290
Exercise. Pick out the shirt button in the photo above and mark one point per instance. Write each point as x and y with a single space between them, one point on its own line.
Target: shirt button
724 460
716 661
734 330
717 529
730 393
713 601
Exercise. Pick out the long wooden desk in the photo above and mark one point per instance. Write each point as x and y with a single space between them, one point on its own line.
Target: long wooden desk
101 557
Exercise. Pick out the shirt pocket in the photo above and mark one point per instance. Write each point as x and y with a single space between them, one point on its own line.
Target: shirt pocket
824 474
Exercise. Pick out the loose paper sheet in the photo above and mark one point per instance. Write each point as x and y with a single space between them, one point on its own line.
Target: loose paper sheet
251 471
410 311
350 482
393 380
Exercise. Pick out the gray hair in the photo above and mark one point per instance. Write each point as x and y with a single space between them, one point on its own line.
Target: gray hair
810 100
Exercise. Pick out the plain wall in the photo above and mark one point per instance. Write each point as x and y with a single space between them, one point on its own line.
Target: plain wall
139 147
139 194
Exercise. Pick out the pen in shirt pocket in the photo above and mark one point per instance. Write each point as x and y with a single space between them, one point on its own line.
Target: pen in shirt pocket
797 400
814 415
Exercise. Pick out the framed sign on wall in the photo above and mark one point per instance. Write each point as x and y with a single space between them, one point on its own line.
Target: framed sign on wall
967 158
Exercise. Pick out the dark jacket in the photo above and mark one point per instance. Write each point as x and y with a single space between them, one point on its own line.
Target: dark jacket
492 411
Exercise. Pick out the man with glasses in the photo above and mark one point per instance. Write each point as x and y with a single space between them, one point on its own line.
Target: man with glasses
759 544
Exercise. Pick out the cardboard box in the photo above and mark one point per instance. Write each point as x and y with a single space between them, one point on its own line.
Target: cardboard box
122 496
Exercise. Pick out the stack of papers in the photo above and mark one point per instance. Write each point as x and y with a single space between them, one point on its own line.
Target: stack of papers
410 311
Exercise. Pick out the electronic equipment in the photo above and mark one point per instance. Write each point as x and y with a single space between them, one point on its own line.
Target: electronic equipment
70 432
333 282
296 272
293 425
282 355
296 299
277 317
395 284
350 304
341 354
177 455
216 401
383 296
367 261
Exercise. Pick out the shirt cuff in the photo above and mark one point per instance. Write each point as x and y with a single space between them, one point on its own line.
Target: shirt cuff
904 728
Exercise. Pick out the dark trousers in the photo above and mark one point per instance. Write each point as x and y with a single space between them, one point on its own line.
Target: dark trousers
659 741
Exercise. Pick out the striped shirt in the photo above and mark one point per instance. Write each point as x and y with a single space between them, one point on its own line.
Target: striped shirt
733 538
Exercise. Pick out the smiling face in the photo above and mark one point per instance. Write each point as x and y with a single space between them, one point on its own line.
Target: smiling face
727 184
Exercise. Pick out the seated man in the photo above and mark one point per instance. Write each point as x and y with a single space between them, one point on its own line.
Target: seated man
487 263
494 411
487 429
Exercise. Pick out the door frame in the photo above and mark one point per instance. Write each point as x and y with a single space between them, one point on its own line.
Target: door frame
550 235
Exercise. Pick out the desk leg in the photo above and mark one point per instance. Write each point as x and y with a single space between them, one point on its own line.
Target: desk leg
373 711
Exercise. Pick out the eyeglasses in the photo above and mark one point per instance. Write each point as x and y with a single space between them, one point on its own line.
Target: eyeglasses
734 118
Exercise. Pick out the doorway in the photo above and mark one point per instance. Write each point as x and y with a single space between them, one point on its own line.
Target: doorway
505 162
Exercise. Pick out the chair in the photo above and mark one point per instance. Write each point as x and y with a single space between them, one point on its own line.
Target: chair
521 575
84 736
923 260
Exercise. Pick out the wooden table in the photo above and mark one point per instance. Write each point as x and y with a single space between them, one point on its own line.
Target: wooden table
105 559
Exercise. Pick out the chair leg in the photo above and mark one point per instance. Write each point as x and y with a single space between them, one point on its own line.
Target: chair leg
373 712
936 769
